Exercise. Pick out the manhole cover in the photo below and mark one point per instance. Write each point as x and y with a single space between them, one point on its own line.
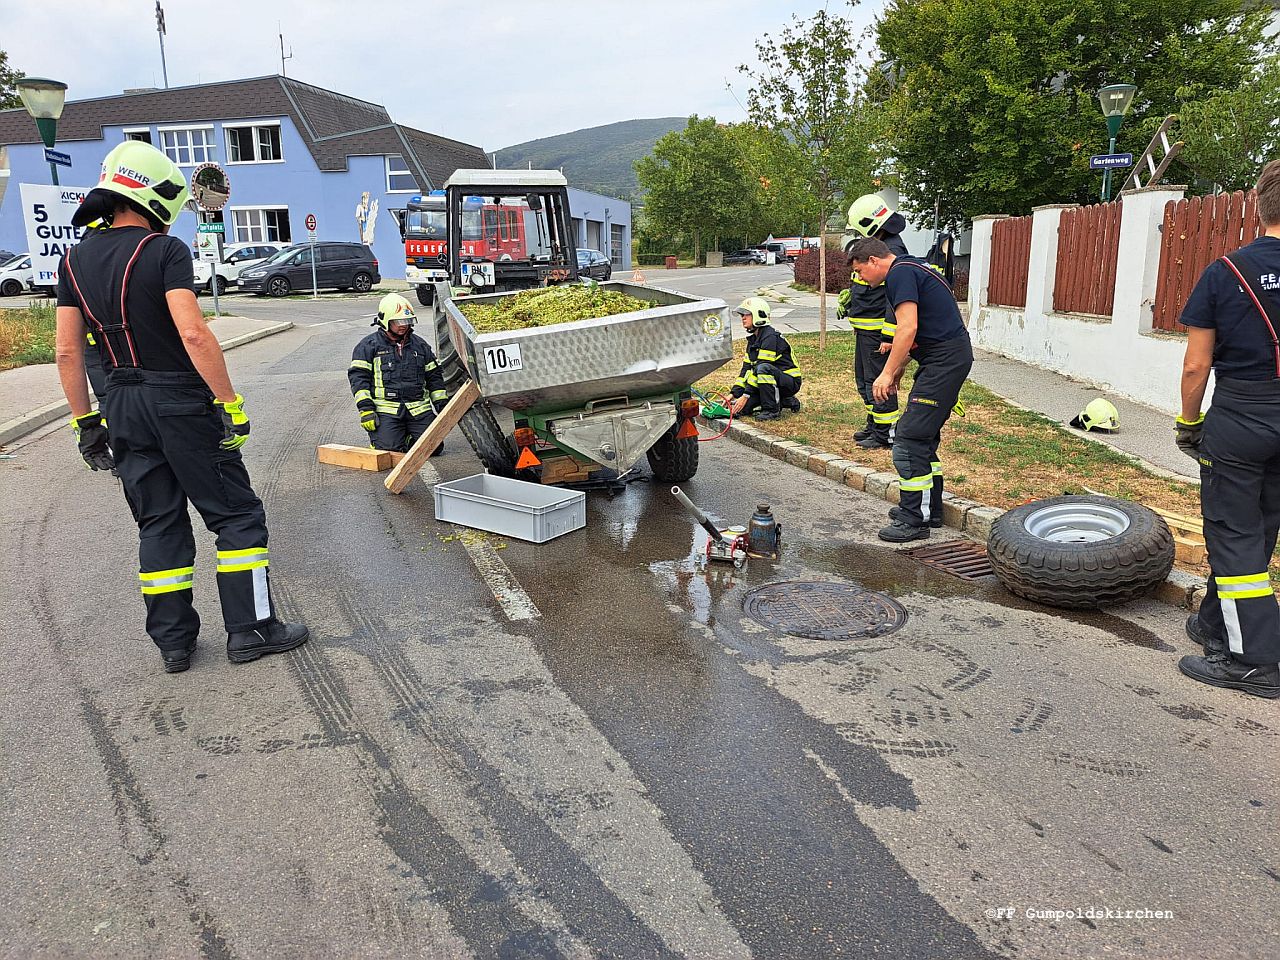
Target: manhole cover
820 610
960 558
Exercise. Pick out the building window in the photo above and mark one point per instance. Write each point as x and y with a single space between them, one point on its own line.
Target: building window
262 225
142 134
189 146
399 178
259 143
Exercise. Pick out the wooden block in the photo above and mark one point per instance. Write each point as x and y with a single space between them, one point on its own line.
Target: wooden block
567 470
359 458
1180 522
420 452
1189 551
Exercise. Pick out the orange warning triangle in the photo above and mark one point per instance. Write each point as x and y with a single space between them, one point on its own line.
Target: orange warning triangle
527 459
687 429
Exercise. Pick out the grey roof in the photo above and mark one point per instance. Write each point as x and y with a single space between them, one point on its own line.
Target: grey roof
333 125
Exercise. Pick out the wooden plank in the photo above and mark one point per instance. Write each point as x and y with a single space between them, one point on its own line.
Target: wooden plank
566 470
1189 551
1177 520
420 452
359 458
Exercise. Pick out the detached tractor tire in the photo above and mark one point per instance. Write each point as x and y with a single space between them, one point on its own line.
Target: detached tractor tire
1080 552
673 459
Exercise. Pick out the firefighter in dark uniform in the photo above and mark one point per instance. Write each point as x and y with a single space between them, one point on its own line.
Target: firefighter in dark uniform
863 305
395 379
176 423
931 332
769 380
1233 316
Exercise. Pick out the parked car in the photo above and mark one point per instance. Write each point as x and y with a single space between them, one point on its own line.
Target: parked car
16 275
340 266
594 264
236 258
750 255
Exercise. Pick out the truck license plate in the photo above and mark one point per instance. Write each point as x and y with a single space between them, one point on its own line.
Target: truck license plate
504 358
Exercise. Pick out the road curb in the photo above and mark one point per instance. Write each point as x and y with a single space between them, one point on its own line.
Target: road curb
1180 589
19 427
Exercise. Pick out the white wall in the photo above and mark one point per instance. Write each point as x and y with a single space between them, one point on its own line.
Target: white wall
1121 354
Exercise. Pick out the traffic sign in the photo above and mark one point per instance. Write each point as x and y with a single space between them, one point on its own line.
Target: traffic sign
55 156
211 228
1110 161
311 222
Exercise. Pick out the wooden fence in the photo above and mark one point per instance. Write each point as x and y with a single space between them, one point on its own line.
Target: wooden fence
1088 248
1010 258
1196 231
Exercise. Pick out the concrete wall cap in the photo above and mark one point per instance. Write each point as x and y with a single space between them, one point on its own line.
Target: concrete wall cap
1158 188
991 216
1055 206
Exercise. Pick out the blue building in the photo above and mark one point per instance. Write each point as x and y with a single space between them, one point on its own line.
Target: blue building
290 149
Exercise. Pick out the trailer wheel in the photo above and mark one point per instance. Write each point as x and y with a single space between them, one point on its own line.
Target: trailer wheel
493 447
446 356
1080 552
673 459
426 296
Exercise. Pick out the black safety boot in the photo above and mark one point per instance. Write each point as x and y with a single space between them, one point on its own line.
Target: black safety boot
177 660
897 516
792 404
272 637
438 450
1212 645
768 415
898 532
866 431
874 443
1223 670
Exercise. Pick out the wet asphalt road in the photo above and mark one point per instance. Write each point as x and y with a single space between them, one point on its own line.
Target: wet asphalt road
638 770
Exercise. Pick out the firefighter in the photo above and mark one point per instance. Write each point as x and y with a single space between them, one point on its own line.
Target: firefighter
395 379
864 307
176 422
1233 316
769 380
930 331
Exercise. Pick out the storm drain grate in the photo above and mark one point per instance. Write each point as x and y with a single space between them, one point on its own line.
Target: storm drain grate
821 610
960 558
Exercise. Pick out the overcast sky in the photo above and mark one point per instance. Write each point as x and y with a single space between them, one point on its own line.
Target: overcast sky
493 73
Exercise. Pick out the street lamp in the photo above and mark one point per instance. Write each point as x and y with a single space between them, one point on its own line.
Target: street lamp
44 100
1116 99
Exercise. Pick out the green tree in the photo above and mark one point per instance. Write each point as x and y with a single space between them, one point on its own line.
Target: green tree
993 103
1230 134
9 78
806 90
695 185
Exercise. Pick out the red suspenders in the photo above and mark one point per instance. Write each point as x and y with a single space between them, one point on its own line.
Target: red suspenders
123 325
1253 295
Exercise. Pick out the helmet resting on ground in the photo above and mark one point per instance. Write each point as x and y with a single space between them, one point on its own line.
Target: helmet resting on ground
1099 414
142 175
394 308
755 307
868 214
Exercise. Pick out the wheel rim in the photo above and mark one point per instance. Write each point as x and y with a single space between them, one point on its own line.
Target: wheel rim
1076 523
279 287
363 282
11 288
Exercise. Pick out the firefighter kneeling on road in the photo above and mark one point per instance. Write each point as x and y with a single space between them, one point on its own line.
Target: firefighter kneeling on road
1233 316
930 331
395 379
769 380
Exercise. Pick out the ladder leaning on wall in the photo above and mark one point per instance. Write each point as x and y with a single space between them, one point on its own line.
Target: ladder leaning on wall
1148 170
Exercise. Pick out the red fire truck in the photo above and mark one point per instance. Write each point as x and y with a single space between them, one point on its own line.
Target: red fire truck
490 231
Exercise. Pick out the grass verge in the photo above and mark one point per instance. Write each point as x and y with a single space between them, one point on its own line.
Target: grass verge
997 454
27 334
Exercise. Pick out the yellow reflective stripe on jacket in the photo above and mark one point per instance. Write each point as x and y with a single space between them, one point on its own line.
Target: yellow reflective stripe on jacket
792 372
431 366
363 395
889 329
915 484
417 408
866 323
167 581
752 379
360 365
439 395
234 561
379 391
387 406
768 356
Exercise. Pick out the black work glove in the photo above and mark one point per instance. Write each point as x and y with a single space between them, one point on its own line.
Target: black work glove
91 436
368 415
235 423
1189 434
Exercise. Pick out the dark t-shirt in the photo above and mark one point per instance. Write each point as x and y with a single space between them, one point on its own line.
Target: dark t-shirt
97 268
1242 346
911 280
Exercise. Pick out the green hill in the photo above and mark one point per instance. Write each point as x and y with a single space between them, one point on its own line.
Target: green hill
599 159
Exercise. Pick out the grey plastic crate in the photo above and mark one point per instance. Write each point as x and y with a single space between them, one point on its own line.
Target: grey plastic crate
513 508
